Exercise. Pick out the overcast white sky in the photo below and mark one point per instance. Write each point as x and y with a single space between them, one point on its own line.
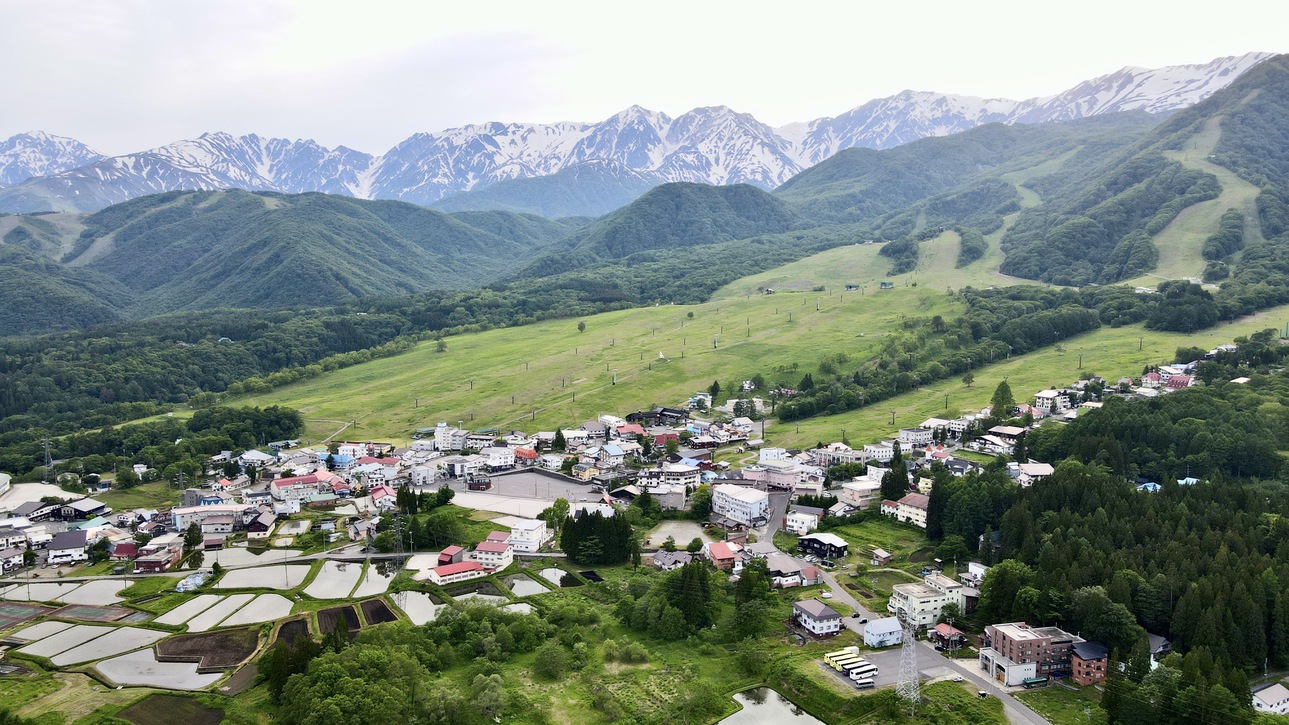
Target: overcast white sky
126 75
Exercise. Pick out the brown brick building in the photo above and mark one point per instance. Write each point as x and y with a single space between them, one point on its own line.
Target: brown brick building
1016 651
1088 662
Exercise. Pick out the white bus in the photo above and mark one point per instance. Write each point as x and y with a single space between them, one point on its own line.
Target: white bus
865 684
842 662
862 670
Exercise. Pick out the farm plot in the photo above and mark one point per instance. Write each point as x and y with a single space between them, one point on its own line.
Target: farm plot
214 651
376 611
93 613
166 709
144 669
335 580
265 608
419 607
101 592
64 640
38 631
241 556
281 578
293 631
216 614
189 609
377 579
40 591
329 618
121 639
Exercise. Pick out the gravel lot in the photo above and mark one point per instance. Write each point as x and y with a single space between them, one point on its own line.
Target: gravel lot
682 531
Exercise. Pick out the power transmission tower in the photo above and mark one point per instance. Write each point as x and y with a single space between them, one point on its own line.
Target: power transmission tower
908 686
49 462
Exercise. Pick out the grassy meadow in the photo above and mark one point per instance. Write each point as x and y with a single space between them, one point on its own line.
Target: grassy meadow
547 374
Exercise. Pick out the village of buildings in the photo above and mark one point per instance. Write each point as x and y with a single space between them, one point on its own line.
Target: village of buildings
345 489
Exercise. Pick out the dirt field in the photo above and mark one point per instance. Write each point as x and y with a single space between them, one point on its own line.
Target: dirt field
327 619
216 650
79 696
241 681
167 709
376 611
293 630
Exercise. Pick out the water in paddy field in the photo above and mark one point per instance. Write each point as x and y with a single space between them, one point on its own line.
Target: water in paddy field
763 706
560 577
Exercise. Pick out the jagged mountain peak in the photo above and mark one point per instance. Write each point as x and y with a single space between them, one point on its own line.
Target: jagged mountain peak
709 144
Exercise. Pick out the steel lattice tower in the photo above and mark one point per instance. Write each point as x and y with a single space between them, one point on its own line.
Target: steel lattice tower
908 686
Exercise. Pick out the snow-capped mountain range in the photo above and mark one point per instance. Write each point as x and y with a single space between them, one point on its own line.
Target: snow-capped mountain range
713 145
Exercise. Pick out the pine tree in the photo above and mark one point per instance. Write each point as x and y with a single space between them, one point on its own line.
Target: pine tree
559 445
1002 403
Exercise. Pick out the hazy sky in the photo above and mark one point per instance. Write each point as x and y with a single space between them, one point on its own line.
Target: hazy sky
126 75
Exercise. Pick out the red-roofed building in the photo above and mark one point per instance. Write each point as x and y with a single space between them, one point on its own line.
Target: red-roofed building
502 536
124 551
1177 382
459 572
810 576
947 636
889 507
293 487
720 555
631 430
526 456
451 555
1151 380
494 555
911 509
661 439
383 497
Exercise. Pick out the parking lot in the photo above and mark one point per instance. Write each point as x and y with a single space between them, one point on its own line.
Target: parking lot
529 484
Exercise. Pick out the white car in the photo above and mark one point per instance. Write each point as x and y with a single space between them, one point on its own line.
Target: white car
826 595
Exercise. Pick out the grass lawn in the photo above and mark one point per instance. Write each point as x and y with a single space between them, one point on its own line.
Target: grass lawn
1065 707
884 533
145 495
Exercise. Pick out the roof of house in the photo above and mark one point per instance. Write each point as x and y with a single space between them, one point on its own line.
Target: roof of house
808 510
120 548
1273 694
527 525
457 568
782 564
881 554
815 609
498 536
381 491
810 572
68 540
492 547
948 630
1090 650
668 558
719 550
451 550
883 626
916 500
85 504
826 538
295 481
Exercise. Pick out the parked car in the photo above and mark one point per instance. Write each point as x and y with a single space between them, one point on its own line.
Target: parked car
854 615
958 678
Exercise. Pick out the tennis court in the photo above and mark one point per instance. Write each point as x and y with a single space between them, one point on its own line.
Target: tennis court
12 613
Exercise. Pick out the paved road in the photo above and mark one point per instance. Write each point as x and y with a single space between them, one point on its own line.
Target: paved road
1016 711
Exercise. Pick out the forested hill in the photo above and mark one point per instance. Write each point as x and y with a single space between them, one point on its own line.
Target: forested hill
669 217
196 250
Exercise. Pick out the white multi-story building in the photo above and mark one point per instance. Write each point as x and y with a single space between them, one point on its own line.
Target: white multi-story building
529 535
881 452
494 555
861 492
671 474
772 454
1052 401
799 522
449 438
914 437
497 458
924 602
816 617
458 572
745 505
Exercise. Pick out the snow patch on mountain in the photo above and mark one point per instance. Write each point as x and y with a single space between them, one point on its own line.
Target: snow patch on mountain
36 153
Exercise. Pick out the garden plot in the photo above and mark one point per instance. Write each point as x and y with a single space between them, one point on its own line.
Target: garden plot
241 556
376 581
280 578
121 639
419 607
142 668
265 608
65 640
335 580
189 609
213 650
217 613
101 593
376 611
39 631
42 591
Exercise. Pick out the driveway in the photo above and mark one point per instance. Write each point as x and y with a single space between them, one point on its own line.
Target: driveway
843 595
1017 712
